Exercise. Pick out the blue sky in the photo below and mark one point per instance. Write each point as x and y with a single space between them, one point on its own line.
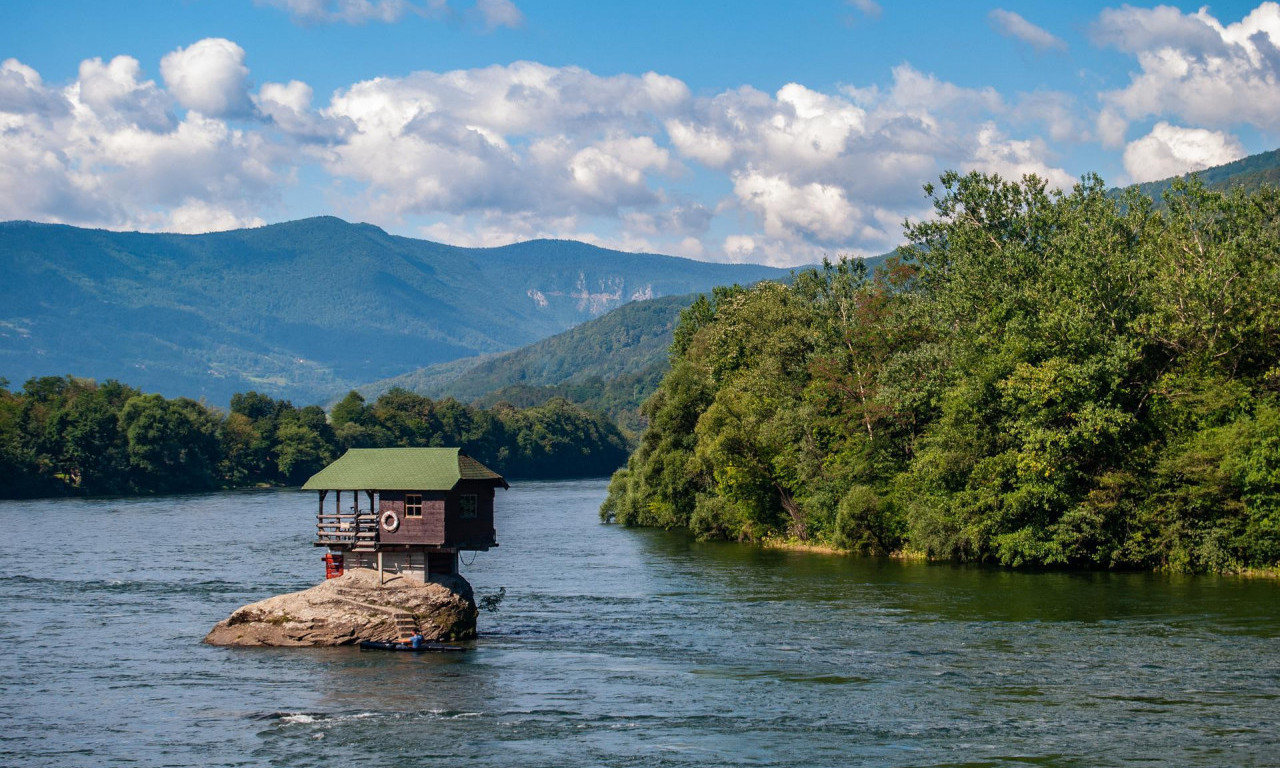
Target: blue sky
746 131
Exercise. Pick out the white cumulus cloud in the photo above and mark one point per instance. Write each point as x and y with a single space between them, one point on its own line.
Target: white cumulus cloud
539 149
818 210
523 137
210 77
288 106
1170 150
115 88
823 172
1013 159
1135 30
104 151
1194 67
740 248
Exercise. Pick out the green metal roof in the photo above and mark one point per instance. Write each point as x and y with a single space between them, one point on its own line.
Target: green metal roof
400 469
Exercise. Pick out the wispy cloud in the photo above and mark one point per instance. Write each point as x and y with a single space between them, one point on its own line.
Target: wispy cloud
868 7
350 11
1013 25
499 13
488 14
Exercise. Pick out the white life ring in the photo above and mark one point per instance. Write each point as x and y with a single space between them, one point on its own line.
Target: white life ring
390 521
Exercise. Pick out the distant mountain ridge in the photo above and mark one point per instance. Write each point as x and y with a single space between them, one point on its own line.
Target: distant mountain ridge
623 341
610 364
303 309
1248 173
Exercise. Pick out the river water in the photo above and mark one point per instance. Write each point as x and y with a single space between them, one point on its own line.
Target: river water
615 647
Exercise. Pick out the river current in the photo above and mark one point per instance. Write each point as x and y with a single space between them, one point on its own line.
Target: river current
615 647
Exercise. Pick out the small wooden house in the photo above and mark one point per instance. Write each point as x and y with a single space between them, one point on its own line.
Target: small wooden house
410 510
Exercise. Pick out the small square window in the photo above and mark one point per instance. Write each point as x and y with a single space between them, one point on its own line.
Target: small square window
467 506
413 505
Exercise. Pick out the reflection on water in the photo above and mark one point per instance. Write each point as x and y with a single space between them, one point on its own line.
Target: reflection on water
618 647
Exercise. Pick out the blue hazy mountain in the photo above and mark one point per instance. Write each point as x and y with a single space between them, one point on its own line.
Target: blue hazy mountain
304 309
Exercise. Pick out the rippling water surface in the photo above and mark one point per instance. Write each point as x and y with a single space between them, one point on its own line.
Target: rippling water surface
615 647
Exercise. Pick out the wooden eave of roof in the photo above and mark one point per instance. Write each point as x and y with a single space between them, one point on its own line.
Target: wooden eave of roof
401 469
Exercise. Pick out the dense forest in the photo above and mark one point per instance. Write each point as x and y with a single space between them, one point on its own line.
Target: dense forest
62 436
1077 378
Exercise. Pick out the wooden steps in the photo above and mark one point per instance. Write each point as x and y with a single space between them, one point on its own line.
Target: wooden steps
406 625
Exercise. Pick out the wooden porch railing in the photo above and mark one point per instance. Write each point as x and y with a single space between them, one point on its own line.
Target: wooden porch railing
357 530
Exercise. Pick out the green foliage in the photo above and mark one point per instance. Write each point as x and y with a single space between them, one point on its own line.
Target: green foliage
618 397
559 439
170 445
610 364
303 452
72 436
866 522
1039 378
555 439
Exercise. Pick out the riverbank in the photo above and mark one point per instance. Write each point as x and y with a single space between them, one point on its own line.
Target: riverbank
797 545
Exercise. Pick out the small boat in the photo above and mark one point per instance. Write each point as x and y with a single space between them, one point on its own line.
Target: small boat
373 645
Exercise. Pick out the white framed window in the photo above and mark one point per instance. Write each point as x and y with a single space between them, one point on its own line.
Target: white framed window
413 505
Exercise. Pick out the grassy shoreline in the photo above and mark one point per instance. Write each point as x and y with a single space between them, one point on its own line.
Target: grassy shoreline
796 545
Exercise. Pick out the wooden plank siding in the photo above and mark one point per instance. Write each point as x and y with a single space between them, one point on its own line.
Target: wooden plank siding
441 523
474 532
427 529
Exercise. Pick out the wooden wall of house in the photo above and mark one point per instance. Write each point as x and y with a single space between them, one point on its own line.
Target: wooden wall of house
427 529
443 562
413 565
441 522
477 531
359 560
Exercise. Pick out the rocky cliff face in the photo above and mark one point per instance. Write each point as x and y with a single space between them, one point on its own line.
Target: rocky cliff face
352 608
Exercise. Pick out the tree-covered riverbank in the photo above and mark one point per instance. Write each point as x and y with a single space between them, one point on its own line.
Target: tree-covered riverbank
1073 379
65 436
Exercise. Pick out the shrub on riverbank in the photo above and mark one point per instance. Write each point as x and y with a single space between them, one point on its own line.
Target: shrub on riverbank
1038 378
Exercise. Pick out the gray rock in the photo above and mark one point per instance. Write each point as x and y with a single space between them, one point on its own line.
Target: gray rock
352 608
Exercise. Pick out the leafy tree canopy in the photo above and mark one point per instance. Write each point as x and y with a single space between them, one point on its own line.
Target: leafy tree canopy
63 435
1038 378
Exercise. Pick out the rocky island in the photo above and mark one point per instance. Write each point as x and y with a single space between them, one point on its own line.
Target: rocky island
355 607
392 562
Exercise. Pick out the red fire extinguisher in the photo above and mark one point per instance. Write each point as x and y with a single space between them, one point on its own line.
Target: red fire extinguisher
332 566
